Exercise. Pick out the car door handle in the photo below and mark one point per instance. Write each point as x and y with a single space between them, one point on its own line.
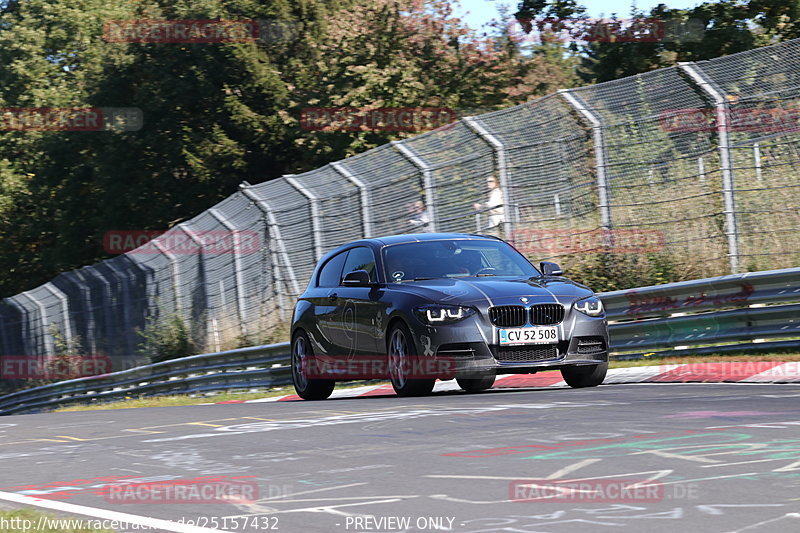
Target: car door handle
332 297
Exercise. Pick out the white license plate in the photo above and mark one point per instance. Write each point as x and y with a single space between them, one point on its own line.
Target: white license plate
534 335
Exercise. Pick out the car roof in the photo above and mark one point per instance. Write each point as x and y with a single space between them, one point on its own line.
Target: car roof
387 240
417 237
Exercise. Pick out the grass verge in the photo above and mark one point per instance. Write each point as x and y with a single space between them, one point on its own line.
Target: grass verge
169 401
21 520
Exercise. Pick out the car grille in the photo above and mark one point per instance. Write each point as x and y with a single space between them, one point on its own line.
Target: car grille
507 316
546 314
591 344
525 354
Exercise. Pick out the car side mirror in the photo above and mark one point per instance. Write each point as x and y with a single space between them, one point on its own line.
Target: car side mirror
357 278
550 269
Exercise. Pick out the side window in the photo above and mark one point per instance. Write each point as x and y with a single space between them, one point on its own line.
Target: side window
331 273
360 258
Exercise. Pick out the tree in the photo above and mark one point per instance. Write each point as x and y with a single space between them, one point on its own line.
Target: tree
709 30
214 114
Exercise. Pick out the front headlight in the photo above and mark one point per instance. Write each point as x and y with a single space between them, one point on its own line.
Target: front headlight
591 306
434 314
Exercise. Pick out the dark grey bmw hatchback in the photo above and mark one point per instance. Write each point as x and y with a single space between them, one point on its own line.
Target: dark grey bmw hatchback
416 308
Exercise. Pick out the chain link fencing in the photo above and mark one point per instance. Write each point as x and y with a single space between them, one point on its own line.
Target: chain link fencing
691 168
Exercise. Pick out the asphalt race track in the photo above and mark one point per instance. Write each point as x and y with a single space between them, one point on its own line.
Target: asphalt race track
652 457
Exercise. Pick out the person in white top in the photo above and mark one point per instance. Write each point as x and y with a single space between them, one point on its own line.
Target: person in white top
494 205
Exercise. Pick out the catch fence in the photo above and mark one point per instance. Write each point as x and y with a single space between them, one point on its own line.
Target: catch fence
689 169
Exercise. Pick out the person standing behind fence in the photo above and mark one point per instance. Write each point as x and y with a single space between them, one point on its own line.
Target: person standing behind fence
494 207
419 220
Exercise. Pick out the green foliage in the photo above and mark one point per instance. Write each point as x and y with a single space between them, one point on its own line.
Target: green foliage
723 26
215 114
613 272
166 338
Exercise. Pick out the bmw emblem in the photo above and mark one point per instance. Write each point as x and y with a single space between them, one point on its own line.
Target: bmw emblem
523 300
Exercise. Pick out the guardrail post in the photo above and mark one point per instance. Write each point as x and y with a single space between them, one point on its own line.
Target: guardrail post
600 157
237 268
476 125
366 212
726 165
275 235
427 177
55 291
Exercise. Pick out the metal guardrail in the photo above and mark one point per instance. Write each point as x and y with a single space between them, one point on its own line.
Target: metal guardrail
754 310
242 369
690 317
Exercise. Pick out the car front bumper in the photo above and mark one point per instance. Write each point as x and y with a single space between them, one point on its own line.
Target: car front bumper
472 347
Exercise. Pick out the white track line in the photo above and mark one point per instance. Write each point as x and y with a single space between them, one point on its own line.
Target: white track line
103 514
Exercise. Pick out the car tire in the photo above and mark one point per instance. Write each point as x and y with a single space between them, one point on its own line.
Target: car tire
307 389
477 384
584 376
399 347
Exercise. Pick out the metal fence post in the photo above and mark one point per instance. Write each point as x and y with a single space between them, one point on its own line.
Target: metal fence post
476 125
237 268
24 325
89 341
600 156
107 305
55 291
757 162
315 216
701 169
201 261
275 235
726 164
125 301
4 327
427 177
176 275
47 339
366 211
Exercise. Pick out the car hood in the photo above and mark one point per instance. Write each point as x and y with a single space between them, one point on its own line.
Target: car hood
497 291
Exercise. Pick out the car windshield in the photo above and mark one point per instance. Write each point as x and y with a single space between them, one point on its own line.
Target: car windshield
454 259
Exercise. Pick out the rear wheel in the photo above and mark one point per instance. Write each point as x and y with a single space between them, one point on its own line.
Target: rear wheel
306 388
477 384
584 376
401 351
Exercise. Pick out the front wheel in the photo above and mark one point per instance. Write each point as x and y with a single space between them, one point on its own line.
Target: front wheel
584 376
307 388
401 352
477 384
